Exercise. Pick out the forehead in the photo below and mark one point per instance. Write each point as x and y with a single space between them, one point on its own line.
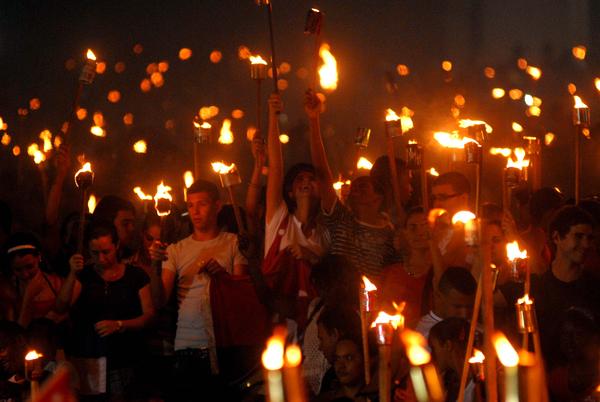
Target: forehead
305 174
124 214
346 347
24 259
582 228
101 243
442 189
201 196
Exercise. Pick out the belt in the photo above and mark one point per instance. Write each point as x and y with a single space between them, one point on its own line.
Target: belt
189 352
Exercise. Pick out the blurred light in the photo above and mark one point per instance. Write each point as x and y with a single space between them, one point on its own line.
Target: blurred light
282 84
119 67
455 112
579 52
34 104
140 147
213 111
16 151
92 203
128 119
99 119
237 114
185 53
515 94
597 83
151 68
157 79
489 72
522 63
145 85
81 113
114 96
447 65
98 131
534 111
170 124
250 132
403 70
572 88
498 93
5 139
534 72
215 56
243 52
163 66
549 139
528 100
516 127
138 48
285 68
459 100
100 67
226 135
284 138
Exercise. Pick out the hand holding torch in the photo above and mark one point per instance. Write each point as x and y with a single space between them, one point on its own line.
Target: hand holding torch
84 178
230 176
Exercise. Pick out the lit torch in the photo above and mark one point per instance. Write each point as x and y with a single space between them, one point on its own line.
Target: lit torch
510 359
423 374
514 175
88 73
470 225
328 71
202 136
258 72
163 200
414 161
269 8
273 361
368 298
476 362
393 129
534 152
581 121
312 26
84 178
230 176
519 267
33 365
361 141
145 198
385 326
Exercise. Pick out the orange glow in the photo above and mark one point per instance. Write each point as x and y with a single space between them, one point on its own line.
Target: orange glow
402 70
525 300
454 141
415 345
515 94
157 79
579 52
243 52
396 320
257 60
459 100
433 172
579 103
128 119
489 72
237 114
100 67
391 115
170 124
215 56
521 162
534 72
284 138
185 53
163 66
328 71
140 147
90 55
222 168
285 67
465 123
226 135
250 133
501 151
46 136
478 356
572 88
138 48
293 356
35 104
463 216
597 83
188 178
142 196
522 63
119 67
162 193
369 286
81 113
91 204
447 65
516 127
114 96
272 357
16 151
282 84
513 252
364 163
31 149
534 111
549 139
32 355
498 93
98 131
151 68
506 353
99 119
5 139
337 186
145 85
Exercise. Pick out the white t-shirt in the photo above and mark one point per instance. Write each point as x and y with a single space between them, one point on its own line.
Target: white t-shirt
194 323
293 234
426 323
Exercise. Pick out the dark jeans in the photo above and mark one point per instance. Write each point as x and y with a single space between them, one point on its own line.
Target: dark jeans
193 378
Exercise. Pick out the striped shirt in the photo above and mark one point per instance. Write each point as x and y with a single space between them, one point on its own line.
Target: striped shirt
369 248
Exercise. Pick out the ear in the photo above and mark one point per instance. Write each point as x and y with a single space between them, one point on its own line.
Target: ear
555 237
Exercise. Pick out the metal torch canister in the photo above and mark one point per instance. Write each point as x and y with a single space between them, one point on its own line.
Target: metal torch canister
362 137
534 146
512 176
230 178
473 153
414 156
163 206
314 21
368 300
384 333
478 371
477 132
83 180
88 72
581 117
526 318
393 128
518 269
258 71
202 134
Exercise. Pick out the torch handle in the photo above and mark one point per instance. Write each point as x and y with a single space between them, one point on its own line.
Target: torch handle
394 178
236 212
317 48
272 40
364 326
577 164
477 186
81 228
424 188
73 115
385 373
491 382
258 109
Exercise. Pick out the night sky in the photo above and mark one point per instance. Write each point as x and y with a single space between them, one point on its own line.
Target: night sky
368 38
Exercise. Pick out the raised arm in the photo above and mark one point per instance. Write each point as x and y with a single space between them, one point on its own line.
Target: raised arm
275 177
312 106
254 188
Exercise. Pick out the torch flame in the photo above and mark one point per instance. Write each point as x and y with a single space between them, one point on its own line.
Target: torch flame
521 162
337 186
478 356
433 172
221 168
87 167
506 353
463 217
140 147
391 115
415 344
32 355
46 136
162 193
90 55
434 214
369 286
226 136
412 142
395 320
92 202
364 163
293 356
501 151
143 196
513 252
257 60
328 71
188 178
454 141
579 103
465 123
272 357
525 300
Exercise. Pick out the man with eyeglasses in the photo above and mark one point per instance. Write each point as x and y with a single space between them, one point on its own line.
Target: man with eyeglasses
450 191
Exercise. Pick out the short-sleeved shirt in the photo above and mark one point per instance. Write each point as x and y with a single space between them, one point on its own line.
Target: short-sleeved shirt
293 234
108 300
194 323
369 248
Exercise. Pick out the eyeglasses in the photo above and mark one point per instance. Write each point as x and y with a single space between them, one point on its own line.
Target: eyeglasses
443 197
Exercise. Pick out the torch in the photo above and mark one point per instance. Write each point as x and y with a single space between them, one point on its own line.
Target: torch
368 299
273 361
162 204
514 176
385 326
146 198
312 26
519 267
33 364
393 129
258 72
581 121
361 141
88 73
476 362
534 153
269 7
230 176
202 136
295 390
510 360
414 161
423 374
84 178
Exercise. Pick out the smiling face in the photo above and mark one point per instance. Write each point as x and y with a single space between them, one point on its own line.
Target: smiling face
575 245
304 186
203 211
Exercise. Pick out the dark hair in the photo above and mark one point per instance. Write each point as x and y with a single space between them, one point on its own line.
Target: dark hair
205 186
5 217
380 172
566 217
452 329
343 319
100 229
151 219
543 201
491 212
22 239
592 207
460 184
109 206
288 182
459 279
378 187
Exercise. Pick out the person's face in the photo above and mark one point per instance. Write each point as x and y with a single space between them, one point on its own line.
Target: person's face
362 194
406 188
497 242
454 304
327 342
151 235
575 245
25 267
203 211
103 252
348 363
445 197
416 231
125 224
305 186
439 354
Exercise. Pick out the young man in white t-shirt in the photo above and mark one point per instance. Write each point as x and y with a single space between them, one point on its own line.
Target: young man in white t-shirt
187 268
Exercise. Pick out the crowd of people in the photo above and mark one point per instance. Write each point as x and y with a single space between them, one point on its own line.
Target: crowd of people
179 308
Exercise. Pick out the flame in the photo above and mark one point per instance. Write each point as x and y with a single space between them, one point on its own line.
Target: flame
32 149
32 355
521 162
465 123
506 353
435 213
579 103
16 150
534 72
395 320
272 357
46 136
447 65
328 71
513 252
369 286
498 93
515 94
221 168
579 52
454 141
143 196
415 345
39 157
5 139
140 147
162 193
98 131
478 356
525 300
391 115
90 55
549 138
406 122
92 202
597 83
463 217
364 163
188 178
293 356
501 151
257 60
517 127
433 172
87 167
226 136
